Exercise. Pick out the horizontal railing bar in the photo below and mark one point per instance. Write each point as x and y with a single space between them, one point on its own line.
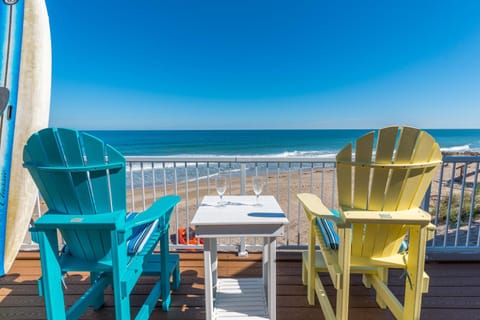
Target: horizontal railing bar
461 159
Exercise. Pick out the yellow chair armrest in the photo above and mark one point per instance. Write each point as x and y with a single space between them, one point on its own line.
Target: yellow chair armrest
410 217
314 207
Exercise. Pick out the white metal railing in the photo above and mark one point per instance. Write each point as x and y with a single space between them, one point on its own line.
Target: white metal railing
452 199
192 178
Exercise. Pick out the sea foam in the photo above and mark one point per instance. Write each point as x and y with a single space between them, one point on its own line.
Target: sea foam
463 148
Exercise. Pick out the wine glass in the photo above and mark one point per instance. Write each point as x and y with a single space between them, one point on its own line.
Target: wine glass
221 185
257 183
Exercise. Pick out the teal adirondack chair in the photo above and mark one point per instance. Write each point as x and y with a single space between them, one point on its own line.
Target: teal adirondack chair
83 182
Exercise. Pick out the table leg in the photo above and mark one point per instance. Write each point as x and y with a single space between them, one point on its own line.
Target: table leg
213 250
265 271
207 263
272 278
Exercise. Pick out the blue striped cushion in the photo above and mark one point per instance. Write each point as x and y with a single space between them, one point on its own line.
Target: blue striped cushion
331 236
403 247
140 235
328 232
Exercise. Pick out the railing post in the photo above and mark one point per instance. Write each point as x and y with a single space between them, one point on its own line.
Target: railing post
242 250
426 200
243 178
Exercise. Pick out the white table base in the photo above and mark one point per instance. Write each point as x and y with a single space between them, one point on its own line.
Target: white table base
242 297
240 217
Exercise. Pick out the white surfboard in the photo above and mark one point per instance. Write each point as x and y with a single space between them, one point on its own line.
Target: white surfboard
32 114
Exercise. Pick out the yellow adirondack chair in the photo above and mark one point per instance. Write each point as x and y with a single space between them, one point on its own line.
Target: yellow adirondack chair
379 194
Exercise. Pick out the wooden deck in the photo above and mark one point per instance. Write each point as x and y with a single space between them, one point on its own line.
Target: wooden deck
454 290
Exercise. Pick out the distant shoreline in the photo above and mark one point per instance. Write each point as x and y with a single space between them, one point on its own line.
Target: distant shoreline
464 153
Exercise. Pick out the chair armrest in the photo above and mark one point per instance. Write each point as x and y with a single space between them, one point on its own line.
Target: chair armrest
157 210
410 217
314 206
54 220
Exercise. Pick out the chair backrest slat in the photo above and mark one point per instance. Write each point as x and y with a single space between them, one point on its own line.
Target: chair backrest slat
384 155
79 188
117 180
358 230
36 152
363 154
344 176
427 150
398 177
99 180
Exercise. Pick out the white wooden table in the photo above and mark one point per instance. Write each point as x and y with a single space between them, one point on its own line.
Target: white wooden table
240 217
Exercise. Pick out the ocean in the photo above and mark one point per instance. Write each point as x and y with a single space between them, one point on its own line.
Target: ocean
321 144
273 143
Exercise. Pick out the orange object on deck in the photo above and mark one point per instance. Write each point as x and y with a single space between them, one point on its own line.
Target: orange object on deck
192 239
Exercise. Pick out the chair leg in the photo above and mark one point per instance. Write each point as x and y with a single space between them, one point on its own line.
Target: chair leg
51 276
311 271
100 297
176 277
165 280
383 276
344 251
121 299
415 269
120 295
304 272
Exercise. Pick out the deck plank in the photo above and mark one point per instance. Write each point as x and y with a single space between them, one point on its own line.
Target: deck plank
454 290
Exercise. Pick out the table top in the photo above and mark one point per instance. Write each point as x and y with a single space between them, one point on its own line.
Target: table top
239 210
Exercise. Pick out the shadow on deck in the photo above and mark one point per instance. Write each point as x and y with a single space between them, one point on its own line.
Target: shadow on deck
454 290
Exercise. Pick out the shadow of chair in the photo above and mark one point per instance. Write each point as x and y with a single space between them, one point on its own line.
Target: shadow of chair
83 182
379 193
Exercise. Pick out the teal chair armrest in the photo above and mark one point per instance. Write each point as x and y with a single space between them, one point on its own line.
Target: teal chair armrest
160 209
52 220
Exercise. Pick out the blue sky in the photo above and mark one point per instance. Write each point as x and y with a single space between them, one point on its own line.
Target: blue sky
253 64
